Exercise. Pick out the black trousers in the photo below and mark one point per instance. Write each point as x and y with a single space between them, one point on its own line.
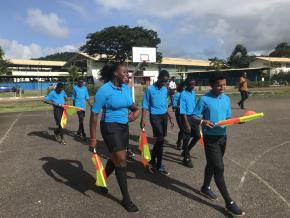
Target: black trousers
159 127
215 147
179 123
57 112
81 116
194 134
244 96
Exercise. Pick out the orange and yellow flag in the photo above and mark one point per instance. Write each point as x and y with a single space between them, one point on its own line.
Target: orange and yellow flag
144 148
101 179
68 111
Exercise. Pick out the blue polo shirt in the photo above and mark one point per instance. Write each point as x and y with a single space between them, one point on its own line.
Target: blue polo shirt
156 100
80 96
176 100
213 108
55 97
187 102
114 103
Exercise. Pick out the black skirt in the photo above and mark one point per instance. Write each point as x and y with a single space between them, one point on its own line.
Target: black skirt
115 135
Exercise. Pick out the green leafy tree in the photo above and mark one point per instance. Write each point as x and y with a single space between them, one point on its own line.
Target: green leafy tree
74 73
3 63
239 57
217 64
282 50
115 43
62 56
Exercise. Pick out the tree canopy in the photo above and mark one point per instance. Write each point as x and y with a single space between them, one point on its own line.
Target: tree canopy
3 63
282 50
239 57
217 64
115 43
62 56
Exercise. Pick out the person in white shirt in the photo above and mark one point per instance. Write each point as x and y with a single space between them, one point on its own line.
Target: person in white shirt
172 88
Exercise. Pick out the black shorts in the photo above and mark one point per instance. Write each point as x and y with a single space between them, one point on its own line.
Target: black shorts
159 125
115 135
57 112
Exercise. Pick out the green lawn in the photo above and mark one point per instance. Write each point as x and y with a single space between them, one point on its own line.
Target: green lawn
38 105
24 106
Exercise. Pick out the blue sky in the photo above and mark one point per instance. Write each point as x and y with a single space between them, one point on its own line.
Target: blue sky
187 28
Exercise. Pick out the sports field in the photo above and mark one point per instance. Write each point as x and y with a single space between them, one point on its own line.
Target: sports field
41 178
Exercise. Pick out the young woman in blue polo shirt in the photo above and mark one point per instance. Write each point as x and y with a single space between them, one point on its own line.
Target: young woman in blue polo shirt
212 108
57 98
175 107
80 98
156 102
114 100
190 128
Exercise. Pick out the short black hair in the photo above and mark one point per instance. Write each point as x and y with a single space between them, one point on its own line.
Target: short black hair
180 86
163 73
188 80
215 77
80 78
107 72
59 85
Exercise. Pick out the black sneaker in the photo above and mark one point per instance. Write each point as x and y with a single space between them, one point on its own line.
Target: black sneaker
101 190
207 192
163 171
130 153
57 136
78 134
63 142
152 169
130 206
233 209
187 162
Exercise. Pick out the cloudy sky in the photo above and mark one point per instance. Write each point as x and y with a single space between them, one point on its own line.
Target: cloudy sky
198 29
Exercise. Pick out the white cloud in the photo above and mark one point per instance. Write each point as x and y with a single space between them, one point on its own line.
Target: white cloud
260 25
14 49
49 24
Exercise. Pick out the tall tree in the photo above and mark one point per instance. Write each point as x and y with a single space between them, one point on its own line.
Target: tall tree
3 63
115 43
239 57
282 50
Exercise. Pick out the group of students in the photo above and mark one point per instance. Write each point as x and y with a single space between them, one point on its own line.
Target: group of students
114 101
58 99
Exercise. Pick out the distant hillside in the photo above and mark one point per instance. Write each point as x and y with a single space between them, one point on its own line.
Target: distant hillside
63 56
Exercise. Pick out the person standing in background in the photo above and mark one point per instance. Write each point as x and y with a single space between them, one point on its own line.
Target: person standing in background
172 88
243 89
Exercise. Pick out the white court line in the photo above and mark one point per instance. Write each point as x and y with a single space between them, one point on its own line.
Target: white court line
10 128
263 181
253 162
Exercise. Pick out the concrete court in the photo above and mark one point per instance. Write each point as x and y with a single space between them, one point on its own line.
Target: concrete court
41 178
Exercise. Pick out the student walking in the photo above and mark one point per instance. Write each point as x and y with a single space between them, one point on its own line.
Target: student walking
57 98
156 102
115 101
212 108
80 98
